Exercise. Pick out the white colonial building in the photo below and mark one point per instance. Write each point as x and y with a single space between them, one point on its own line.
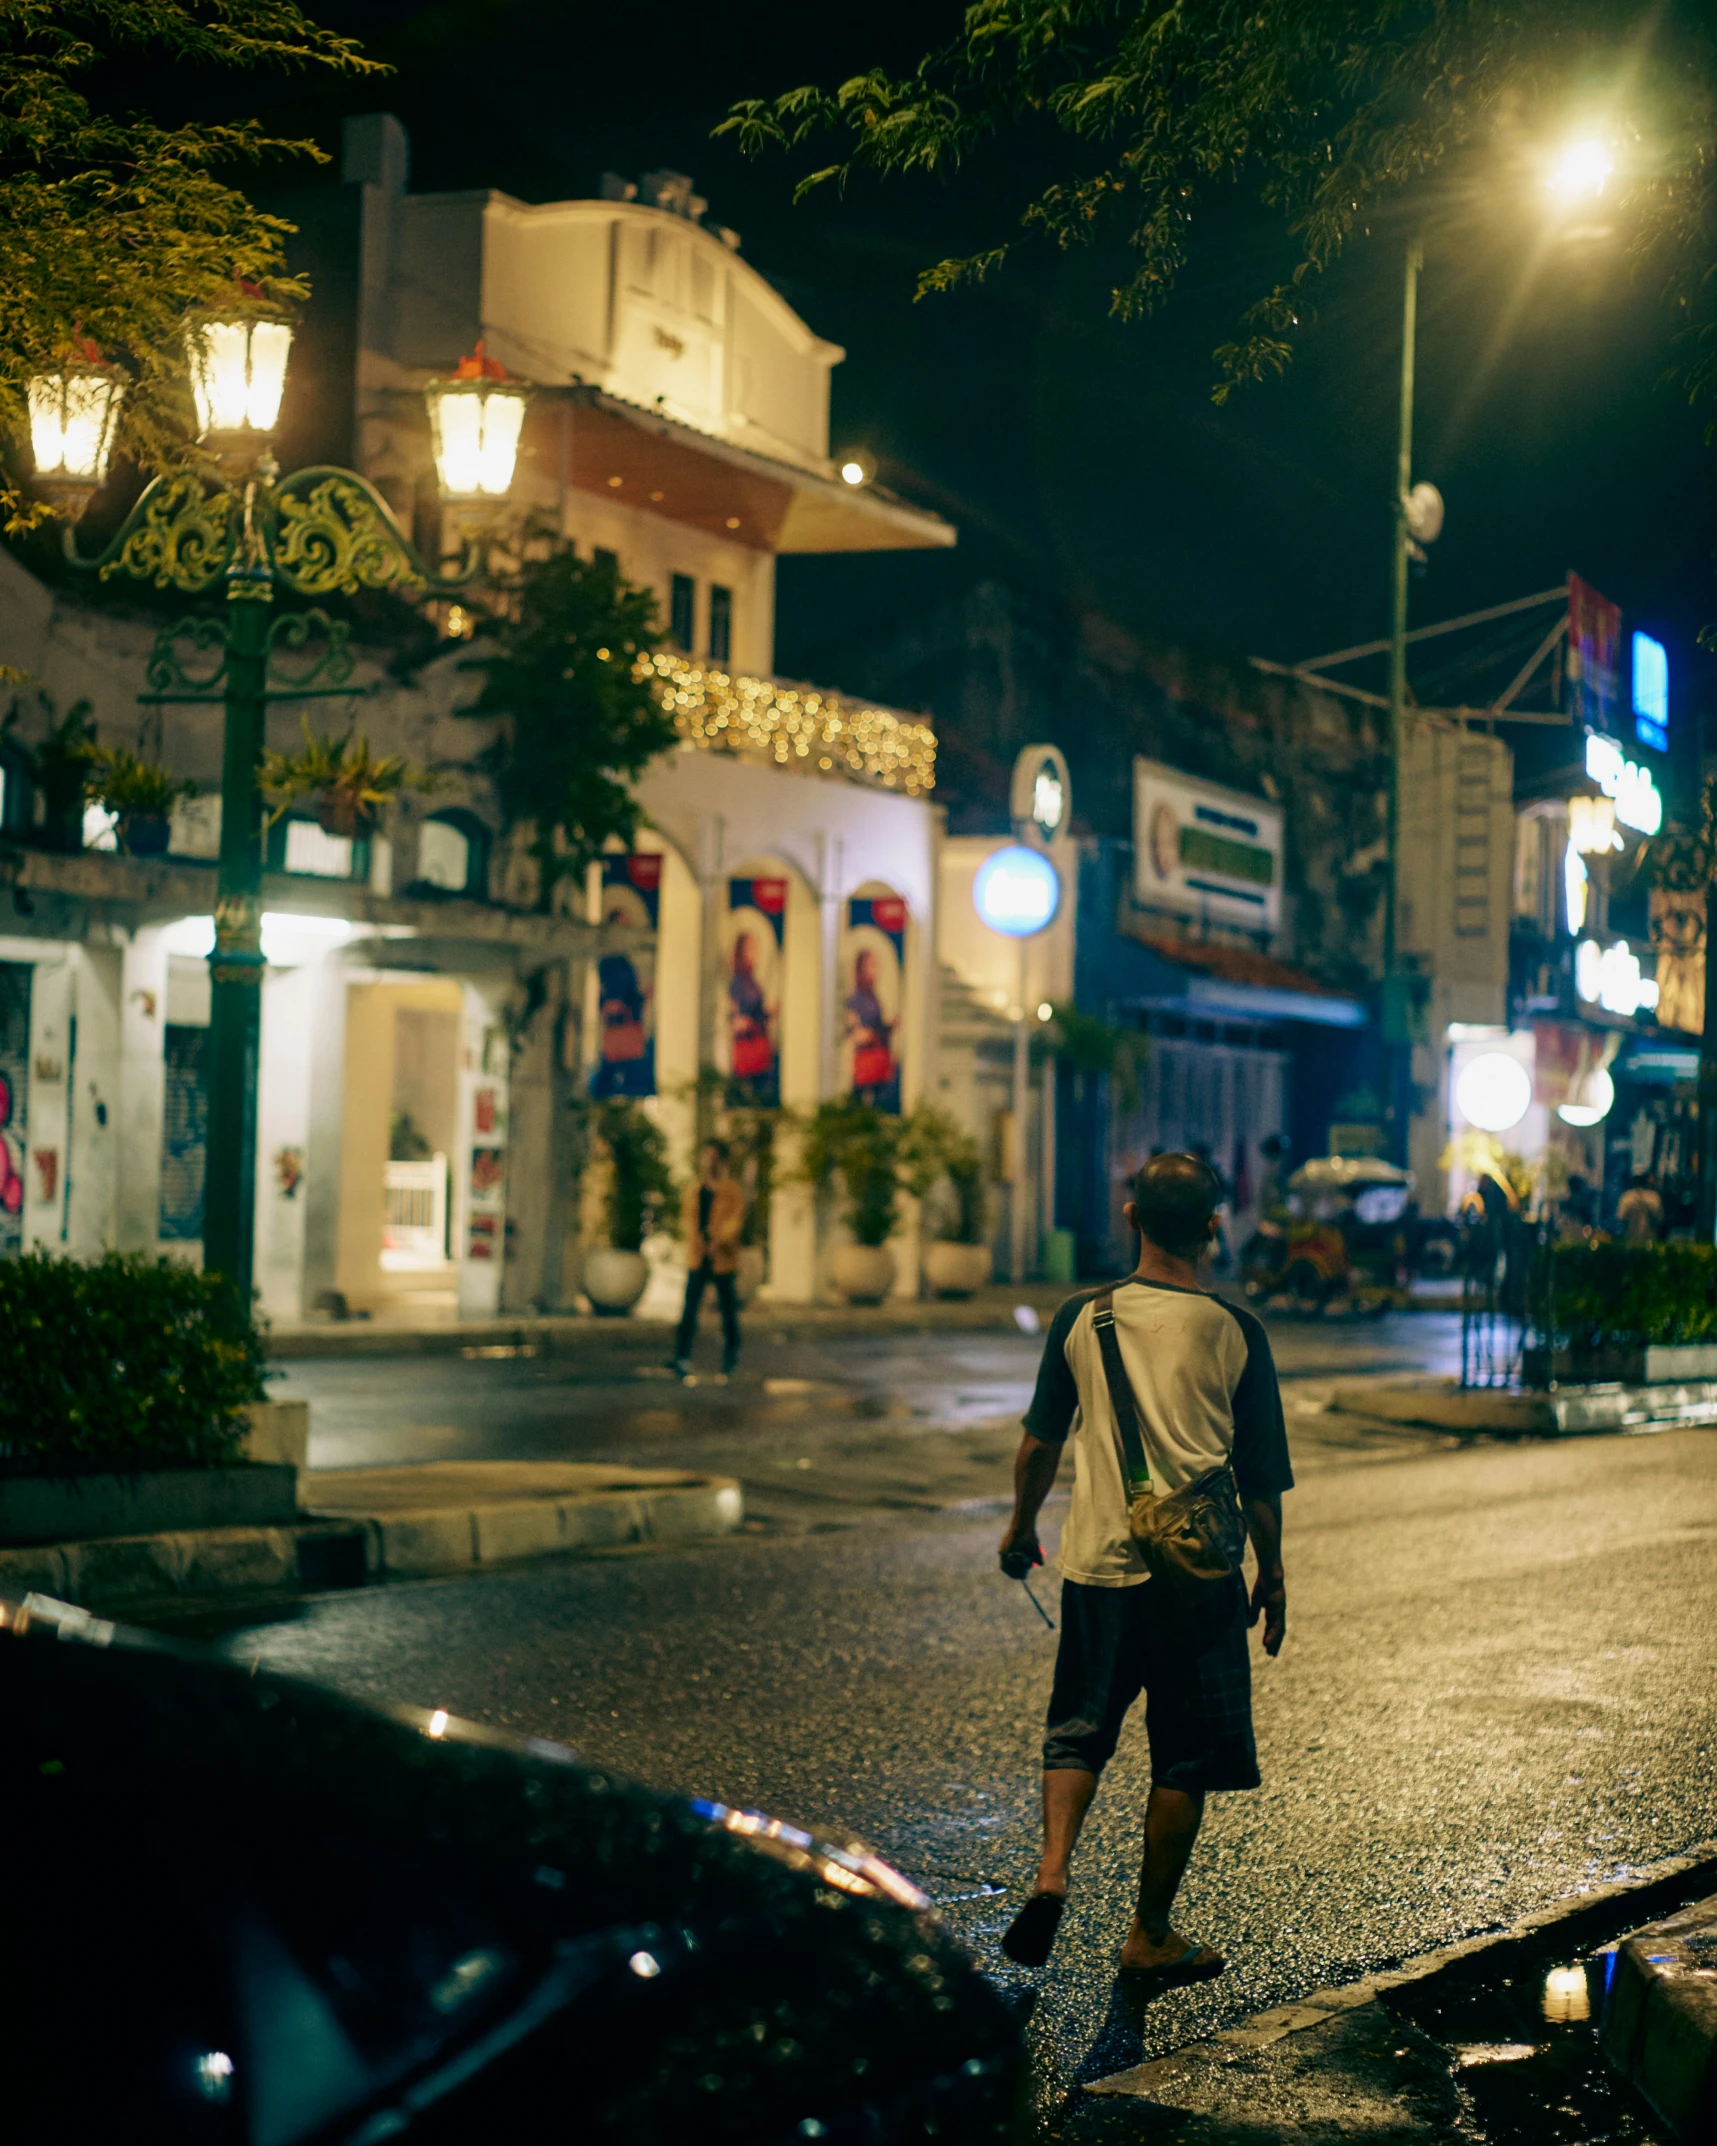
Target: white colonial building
423 1026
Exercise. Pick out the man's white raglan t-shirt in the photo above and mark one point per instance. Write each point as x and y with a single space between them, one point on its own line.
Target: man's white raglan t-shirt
1205 1383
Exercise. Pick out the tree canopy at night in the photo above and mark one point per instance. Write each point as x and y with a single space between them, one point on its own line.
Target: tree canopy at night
1323 109
583 716
114 226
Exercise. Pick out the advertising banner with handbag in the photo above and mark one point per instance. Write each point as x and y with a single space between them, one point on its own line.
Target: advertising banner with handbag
873 963
753 946
1193 1539
626 982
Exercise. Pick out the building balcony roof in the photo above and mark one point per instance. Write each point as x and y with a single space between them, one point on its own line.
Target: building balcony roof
661 465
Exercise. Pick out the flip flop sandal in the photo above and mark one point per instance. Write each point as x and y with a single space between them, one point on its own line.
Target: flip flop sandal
1031 1934
1196 1964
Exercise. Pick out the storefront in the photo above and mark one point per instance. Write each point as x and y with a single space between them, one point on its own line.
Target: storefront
1248 1061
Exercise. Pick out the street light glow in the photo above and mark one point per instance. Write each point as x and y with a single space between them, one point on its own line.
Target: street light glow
71 423
856 467
1580 172
238 374
476 419
1494 1092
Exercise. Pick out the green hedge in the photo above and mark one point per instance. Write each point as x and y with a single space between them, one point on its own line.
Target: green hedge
130 1362
1632 1295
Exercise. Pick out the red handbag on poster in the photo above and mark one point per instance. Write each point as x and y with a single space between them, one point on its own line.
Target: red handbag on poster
873 1065
622 1042
752 1056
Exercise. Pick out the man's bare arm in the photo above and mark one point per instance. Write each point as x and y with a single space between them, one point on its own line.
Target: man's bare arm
1269 1592
1035 1466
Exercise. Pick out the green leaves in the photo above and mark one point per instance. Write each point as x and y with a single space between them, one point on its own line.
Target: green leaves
1324 108
342 770
1619 1295
124 1363
115 228
579 721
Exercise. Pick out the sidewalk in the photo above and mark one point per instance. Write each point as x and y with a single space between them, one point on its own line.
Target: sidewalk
1441 1404
1516 2017
567 1333
367 1524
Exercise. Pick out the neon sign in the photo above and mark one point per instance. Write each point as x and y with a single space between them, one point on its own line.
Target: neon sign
1651 692
1639 802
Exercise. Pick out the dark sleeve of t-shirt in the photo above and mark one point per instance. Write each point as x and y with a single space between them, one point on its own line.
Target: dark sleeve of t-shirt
1261 1465
1056 1400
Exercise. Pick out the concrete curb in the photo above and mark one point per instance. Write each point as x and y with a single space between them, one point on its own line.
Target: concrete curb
1660 2019
1564 1412
1321 2006
338 1547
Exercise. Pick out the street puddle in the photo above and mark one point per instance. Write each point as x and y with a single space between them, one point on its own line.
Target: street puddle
1519 2024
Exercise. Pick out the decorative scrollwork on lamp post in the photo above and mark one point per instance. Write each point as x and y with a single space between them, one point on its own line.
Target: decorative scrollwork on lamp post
249 532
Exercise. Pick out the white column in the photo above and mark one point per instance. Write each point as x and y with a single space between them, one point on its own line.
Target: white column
92 1222
142 1084
283 1111
479 1178
50 1070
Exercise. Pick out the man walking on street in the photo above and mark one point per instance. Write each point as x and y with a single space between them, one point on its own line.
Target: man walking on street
1196 1388
712 1214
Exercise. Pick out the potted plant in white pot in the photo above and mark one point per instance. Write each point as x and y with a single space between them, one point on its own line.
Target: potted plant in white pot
957 1258
867 1153
640 1198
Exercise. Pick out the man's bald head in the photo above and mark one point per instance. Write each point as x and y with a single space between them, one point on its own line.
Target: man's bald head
1174 1197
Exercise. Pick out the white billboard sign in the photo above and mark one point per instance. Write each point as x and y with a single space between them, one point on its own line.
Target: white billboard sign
1204 851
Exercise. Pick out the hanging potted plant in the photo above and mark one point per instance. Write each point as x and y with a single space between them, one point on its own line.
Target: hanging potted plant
864 1150
639 1197
957 1258
59 769
351 787
141 796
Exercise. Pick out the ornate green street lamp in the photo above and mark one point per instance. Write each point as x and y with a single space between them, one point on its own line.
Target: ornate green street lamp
251 532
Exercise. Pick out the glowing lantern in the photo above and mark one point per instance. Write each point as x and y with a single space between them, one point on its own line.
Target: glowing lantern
1493 1092
238 374
476 418
72 417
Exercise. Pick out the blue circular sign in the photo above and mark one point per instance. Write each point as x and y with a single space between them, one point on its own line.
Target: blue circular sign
1017 891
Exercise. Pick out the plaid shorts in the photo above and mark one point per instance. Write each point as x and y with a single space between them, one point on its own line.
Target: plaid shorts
1193 1667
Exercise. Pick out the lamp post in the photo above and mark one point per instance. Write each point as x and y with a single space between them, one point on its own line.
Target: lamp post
249 533
1017 892
1579 173
1397 1010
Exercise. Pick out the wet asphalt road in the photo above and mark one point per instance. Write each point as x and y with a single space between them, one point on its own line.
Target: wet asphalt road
1497 1685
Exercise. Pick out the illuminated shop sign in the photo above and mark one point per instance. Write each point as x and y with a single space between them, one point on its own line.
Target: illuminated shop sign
1017 891
1639 802
1651 692
1609 976
1204 851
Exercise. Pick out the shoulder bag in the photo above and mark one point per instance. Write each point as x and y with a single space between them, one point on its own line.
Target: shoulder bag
1194 1538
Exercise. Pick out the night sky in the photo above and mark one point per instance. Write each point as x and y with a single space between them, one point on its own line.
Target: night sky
1079 455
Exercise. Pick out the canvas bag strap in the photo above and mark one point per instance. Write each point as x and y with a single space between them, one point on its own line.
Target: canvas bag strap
1135 1469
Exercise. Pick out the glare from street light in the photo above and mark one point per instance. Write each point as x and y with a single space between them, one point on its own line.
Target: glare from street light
476 419
72 415
856 467
1580 172
238 373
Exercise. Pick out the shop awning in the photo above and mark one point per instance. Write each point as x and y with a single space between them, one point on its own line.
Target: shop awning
648 460
1217 983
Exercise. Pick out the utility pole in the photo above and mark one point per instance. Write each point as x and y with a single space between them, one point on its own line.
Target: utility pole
1396 1002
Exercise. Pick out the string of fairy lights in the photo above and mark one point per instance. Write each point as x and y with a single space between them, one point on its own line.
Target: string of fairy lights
795 726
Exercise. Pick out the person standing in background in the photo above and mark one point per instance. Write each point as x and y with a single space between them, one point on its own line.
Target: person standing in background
712 1216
